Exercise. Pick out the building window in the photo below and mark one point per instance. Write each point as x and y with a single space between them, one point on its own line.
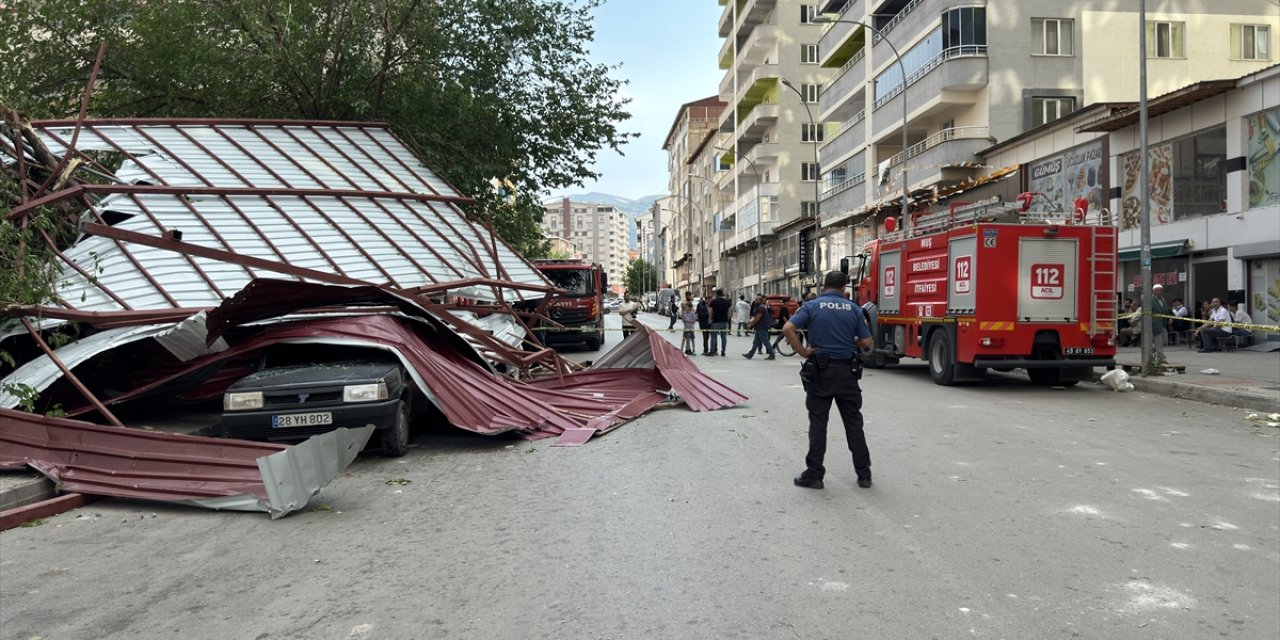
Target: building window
810 92
808 54
964 27
812 133
1051 37
1165 39
807 12
1250 42
808 208
808 171
1049 109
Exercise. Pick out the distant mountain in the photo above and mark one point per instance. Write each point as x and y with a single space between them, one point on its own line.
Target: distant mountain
632 208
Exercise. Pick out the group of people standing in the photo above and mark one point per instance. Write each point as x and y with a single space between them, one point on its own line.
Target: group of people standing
717 317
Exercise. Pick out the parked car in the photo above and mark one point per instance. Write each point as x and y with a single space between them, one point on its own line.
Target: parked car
305 390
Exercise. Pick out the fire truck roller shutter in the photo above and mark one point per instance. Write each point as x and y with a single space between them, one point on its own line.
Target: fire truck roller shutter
1047 273
963 260
890 279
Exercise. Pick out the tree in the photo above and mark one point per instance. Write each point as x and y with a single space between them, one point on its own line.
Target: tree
481 90
641 276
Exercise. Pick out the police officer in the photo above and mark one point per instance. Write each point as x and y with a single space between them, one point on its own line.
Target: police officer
836 330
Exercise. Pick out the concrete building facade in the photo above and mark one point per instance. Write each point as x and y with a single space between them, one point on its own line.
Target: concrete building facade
598 232
971 74
766 154
694 122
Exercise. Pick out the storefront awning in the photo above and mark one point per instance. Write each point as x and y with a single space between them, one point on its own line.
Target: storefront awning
1158 250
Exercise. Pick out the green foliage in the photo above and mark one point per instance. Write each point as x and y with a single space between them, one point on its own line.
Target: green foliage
641 276
482 90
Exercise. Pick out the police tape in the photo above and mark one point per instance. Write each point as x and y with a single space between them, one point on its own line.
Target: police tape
1257 328
674 330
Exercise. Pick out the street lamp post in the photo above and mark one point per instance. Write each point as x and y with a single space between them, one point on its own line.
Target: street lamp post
902 68
702 251
759 214
817 169
693 208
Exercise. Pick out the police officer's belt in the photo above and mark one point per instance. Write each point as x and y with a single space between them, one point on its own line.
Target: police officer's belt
840 360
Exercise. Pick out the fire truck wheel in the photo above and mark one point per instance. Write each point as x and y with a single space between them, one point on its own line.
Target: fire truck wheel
942 366
593 343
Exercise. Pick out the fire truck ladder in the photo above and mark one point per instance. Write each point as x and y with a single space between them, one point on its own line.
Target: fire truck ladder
991 210
1103 261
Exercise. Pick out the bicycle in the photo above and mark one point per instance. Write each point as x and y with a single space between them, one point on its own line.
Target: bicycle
782 346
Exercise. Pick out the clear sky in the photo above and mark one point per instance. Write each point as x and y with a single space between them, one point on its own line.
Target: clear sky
667 50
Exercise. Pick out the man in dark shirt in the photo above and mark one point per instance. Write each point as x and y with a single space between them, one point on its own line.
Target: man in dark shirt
836 331
761 321
720 307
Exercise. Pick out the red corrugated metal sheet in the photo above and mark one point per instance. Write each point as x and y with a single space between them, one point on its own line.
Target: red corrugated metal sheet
131 463
698 390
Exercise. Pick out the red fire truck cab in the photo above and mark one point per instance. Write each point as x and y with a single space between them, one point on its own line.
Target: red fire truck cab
993 285
579 307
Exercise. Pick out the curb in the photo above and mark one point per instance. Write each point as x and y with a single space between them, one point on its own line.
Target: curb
1198 393
24 493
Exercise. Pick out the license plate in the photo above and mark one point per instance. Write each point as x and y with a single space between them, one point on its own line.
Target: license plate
301 420
1078 351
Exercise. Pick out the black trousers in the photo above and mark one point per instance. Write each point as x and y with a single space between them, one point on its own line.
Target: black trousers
836 383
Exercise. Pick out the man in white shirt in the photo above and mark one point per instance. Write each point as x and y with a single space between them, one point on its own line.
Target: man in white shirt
628 310
1216 328
741 313
1239 316
1179 326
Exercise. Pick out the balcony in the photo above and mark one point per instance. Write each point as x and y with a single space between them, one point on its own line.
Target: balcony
848 82
758 120
946 156
849 137
762 40
844 200
835 46
751 13
749 238
949 79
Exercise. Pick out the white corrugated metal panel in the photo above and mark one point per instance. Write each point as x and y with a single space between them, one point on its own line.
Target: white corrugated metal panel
1047 280
381 239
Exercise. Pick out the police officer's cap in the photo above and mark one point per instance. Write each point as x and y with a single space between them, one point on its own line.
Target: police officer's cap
835 280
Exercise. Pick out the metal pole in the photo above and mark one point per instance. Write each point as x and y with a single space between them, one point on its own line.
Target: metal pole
1144 187
817 194
902 68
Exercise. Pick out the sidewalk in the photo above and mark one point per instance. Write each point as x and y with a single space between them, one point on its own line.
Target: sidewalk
1243 378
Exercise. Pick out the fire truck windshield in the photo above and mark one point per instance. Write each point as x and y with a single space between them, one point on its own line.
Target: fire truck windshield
575 281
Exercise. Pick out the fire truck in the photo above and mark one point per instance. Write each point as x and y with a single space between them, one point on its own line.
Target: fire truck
993 285
579 307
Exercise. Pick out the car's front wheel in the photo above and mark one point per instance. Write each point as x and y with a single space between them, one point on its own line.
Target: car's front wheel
395 440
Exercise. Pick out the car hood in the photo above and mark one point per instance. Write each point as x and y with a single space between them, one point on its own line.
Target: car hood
334 373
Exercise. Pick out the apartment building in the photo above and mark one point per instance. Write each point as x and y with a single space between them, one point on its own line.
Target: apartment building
598 233
922 87
687 213
766 162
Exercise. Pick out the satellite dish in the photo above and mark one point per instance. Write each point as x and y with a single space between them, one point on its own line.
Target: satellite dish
890 224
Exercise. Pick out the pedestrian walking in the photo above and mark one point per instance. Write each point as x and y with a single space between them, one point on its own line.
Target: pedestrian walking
831 371
741 313
760 322
720 306
784 314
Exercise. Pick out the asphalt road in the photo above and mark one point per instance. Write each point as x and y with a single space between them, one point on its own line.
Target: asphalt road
999 511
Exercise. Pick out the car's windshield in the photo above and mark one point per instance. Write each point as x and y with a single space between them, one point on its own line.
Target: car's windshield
575 281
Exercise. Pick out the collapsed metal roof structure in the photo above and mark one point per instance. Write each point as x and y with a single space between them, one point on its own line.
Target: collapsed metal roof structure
206 241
